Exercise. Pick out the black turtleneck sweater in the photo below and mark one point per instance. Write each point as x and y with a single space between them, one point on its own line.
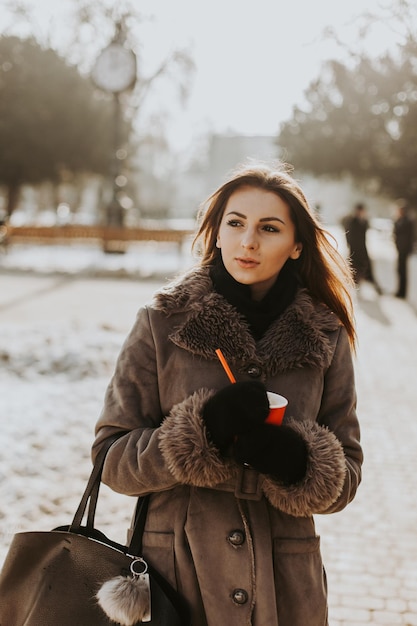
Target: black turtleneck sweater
259 314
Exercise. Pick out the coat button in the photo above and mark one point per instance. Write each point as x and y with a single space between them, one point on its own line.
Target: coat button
236 537
240 596
254 371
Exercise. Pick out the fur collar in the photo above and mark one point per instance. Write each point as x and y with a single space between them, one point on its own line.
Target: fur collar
299 337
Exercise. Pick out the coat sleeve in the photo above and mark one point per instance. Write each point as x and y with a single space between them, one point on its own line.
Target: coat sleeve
134 465
334 452
338 415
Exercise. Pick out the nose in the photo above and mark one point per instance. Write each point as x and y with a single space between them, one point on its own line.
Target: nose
249 241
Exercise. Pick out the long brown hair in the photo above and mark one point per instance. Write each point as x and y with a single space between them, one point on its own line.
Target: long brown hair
322 269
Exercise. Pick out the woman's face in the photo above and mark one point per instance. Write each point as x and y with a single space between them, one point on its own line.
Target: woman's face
256 237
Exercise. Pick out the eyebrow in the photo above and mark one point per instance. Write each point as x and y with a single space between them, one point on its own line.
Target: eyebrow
263 219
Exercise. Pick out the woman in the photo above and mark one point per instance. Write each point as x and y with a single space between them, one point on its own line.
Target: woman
230 519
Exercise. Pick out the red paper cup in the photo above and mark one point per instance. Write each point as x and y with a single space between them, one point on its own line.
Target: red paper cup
277 406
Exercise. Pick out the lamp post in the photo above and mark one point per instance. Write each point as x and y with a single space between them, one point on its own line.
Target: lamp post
115 72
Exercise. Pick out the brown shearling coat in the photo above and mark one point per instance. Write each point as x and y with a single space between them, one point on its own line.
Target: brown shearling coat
241 547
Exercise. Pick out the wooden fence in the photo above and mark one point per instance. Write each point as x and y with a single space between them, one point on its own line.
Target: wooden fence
110 237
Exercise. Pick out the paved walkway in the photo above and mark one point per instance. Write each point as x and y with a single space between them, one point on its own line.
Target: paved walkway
370 549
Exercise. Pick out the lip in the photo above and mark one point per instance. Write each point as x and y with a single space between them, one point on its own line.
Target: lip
246 262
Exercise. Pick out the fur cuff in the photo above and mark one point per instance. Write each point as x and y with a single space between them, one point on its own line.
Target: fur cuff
324 480
190 456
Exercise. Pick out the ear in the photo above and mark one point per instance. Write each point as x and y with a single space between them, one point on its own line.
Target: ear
296 253
218 244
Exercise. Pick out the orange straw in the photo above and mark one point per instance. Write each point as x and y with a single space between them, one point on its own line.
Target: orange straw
225 366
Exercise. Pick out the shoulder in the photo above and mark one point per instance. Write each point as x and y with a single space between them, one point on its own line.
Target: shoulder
313 311
184 293
306 334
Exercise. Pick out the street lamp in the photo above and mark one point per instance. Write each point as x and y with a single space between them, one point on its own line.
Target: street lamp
115 72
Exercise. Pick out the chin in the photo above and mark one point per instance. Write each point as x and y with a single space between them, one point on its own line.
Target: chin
243 280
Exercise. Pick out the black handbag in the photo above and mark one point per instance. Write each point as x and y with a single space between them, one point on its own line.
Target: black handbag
75 576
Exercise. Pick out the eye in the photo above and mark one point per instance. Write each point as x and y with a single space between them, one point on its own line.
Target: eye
270 229
234 223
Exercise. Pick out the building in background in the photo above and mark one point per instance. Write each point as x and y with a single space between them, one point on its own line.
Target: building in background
331 198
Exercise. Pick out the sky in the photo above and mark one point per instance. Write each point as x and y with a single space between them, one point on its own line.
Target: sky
253 60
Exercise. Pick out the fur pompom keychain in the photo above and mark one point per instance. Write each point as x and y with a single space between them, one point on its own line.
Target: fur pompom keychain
126 600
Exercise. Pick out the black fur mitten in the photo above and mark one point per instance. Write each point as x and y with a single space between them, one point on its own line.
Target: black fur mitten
278 451
234 410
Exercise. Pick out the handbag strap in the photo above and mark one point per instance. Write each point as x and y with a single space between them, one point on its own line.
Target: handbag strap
90 498
135 545
90 495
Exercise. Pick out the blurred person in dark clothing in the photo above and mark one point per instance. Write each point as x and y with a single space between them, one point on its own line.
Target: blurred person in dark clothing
404 241
356 227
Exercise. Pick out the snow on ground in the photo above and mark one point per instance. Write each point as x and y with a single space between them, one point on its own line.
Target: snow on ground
141 260
53 385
